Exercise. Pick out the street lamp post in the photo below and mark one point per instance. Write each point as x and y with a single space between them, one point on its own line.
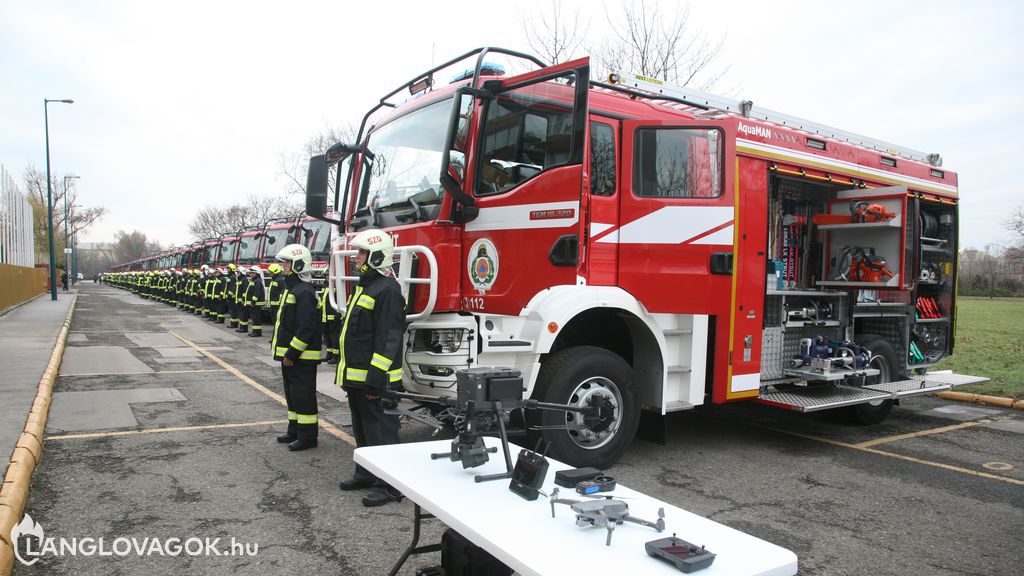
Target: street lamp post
74 248
49 196
66 178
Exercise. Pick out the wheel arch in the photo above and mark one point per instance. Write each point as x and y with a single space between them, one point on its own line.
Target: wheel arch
608 318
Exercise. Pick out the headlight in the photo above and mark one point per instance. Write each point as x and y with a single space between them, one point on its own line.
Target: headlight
441 341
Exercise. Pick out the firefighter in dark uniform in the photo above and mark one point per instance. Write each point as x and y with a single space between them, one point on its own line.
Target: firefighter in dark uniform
241 288
296 343
256 300
274 289
219 305
371 356
230 281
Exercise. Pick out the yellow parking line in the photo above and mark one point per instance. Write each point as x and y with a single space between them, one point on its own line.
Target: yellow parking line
140 373
158 430
862 448
896 438
327 426
943 466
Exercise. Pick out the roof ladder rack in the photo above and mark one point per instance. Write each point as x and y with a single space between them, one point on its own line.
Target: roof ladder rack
747 109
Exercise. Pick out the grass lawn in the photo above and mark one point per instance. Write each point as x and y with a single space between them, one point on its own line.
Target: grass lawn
990 342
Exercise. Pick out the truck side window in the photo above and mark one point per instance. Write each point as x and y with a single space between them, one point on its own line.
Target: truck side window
525 131
602 159
677 163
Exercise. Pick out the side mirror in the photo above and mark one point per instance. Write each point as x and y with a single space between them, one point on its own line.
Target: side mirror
453 159
316 186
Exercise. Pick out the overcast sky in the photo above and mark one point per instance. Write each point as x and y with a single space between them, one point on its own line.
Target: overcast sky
183 104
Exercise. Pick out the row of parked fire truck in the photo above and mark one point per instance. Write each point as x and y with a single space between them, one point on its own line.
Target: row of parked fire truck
253 246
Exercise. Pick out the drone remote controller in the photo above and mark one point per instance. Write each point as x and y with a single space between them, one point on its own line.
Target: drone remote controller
683 555
528 475
598 484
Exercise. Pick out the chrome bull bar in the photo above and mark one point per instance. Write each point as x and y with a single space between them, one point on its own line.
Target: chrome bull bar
405 255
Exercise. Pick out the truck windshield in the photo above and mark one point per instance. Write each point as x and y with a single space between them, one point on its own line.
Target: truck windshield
317 237
227 251
404 158
209 254
276 239
249 250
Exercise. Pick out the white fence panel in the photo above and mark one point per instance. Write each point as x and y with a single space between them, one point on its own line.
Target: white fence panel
17 240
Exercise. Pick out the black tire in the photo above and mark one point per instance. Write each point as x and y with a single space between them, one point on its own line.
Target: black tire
582 376
883 357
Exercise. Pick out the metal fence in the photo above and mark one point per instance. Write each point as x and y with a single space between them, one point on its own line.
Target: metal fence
17 244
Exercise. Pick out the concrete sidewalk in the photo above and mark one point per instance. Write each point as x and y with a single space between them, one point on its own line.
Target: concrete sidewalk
27 337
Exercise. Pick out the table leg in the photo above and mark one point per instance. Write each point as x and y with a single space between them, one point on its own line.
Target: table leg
418 516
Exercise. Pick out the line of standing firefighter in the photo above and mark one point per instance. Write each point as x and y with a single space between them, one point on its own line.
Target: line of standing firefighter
365 343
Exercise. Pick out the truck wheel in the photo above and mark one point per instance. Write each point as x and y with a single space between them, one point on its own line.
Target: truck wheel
586 376
884 359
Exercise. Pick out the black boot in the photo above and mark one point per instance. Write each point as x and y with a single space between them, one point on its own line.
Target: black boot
302 444
307 434
354 483
290 435
255 334
380 496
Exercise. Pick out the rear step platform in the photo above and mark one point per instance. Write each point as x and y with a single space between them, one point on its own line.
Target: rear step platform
820 397
834 395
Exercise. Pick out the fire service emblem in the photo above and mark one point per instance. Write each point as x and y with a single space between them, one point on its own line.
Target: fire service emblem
483 264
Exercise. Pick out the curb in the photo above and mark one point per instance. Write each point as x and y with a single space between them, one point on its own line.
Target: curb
14 491
1000 401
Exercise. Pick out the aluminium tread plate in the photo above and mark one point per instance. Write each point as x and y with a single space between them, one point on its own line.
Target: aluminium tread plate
953 380
911 387
816 398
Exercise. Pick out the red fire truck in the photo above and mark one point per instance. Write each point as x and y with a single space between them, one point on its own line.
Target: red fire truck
645 248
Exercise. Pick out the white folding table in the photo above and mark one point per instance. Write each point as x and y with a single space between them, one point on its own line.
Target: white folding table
523 535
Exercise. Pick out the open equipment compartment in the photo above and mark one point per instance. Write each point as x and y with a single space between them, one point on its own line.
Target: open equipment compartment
933 328
868 250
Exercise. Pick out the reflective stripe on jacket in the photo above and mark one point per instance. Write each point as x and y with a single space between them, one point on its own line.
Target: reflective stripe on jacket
297 331
371 335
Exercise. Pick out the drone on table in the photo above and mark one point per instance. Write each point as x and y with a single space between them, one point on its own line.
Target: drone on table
606 512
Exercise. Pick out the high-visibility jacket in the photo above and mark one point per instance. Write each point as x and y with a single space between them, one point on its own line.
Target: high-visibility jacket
297 332
371 336
255 295
327 312
213 288
276 288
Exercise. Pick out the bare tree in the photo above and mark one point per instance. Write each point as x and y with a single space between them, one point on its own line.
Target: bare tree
64 194
129 246
659 43
551 36
1015 224
293 166
645 37
213 221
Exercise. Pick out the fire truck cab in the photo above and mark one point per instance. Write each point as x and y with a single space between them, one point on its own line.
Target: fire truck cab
645 248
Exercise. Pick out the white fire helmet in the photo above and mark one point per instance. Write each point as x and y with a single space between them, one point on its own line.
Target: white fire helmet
299 256
377 244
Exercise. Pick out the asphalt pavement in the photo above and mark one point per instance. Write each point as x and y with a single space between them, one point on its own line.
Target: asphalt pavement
163 426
